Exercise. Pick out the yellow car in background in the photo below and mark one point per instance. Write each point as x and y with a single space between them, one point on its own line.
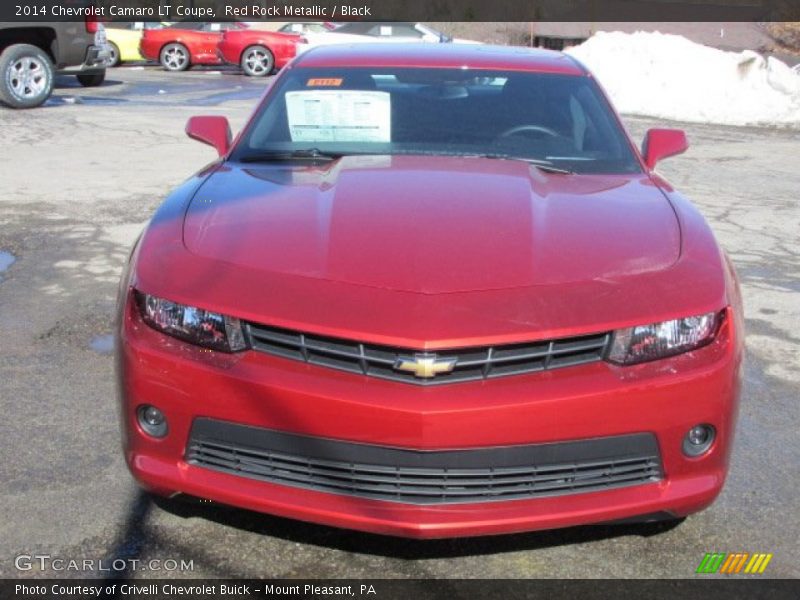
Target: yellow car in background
124 39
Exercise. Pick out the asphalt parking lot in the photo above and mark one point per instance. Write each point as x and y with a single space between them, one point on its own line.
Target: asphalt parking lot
78 181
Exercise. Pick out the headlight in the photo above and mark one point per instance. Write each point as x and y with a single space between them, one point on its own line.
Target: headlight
191 324
658 340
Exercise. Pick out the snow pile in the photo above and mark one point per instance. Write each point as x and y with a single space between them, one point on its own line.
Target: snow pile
669 76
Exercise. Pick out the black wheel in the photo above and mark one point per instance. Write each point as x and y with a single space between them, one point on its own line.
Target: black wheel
93 79
115 59
175 57
26 76
257 61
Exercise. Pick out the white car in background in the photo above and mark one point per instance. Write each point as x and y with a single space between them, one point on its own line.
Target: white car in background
300 27
371 32
399 32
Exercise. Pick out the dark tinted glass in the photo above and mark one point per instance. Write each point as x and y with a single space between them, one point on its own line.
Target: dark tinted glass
562 120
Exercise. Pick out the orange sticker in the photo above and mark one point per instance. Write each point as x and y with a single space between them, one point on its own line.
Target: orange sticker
324 82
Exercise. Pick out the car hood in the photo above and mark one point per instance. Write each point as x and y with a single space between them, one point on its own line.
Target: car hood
431 225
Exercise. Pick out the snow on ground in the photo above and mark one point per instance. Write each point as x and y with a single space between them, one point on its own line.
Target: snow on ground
669 76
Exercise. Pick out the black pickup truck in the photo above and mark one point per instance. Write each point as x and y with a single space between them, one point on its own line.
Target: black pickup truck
31 54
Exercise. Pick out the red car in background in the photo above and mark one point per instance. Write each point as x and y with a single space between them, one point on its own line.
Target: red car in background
258 52
184 45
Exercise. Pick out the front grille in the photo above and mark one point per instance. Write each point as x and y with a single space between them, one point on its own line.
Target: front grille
484 362
425 477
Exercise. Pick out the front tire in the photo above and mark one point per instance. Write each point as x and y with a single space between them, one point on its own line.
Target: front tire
175 57
92 79
257 61
26 76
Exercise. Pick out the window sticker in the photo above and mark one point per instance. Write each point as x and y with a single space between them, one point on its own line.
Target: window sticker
328 82
339 116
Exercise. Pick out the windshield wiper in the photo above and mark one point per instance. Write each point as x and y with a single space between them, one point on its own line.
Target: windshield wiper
542 165
317 154
547 168
304 154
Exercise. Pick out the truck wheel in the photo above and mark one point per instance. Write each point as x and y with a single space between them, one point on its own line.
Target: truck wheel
94 79
26 76
175 57
257 61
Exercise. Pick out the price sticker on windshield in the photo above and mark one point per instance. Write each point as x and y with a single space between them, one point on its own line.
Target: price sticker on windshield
339 116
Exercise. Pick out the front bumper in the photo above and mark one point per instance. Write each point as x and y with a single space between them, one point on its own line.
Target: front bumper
663 398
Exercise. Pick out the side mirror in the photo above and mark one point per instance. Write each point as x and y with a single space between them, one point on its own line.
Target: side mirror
662 143
214 131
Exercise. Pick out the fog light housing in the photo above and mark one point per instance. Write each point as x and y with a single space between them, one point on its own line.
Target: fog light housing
698 440
152 420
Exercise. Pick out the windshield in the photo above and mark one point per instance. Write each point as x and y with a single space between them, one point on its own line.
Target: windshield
553 119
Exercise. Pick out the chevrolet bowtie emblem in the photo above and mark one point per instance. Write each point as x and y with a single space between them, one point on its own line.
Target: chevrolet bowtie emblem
425 366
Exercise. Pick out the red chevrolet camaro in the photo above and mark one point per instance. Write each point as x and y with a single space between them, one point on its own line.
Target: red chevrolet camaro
256 51
432 291
185 44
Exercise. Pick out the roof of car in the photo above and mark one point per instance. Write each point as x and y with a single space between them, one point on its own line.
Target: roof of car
451 55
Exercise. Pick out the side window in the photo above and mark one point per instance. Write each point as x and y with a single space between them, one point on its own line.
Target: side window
189 26
294 28
407 31
381 31
394 31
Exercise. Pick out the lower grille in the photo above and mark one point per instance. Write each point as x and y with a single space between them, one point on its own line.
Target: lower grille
425 477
